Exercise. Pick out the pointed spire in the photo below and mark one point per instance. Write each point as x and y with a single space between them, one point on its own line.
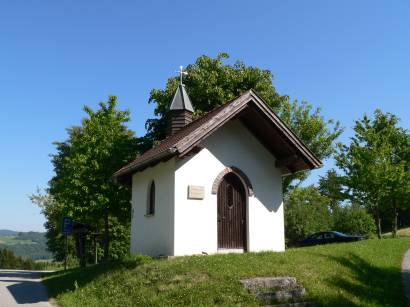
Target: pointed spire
181 100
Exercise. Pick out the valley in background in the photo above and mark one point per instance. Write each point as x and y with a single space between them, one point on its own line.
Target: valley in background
29 245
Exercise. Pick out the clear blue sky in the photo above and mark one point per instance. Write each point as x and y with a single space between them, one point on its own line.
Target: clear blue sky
347 57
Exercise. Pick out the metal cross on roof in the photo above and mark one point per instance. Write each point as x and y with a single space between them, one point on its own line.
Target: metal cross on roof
182 72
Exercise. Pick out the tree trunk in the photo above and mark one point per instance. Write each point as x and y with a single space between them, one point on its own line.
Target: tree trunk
95 249
379 224
106 236
395 214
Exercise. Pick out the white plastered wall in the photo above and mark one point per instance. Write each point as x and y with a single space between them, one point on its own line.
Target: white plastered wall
196 220
153 235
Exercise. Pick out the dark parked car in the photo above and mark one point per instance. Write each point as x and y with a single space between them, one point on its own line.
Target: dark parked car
329 237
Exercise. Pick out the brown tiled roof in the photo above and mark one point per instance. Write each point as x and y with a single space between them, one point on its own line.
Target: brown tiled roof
188 137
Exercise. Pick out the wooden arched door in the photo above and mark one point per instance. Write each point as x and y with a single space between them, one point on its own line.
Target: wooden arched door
231 213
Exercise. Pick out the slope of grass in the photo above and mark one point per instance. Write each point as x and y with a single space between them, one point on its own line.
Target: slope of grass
363 273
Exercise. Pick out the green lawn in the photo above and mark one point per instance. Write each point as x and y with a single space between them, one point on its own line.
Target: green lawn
363 273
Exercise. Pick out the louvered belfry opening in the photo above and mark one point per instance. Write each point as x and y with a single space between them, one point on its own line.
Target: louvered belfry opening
180 111
177 119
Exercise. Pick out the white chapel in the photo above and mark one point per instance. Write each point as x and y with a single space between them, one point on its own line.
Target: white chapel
215 183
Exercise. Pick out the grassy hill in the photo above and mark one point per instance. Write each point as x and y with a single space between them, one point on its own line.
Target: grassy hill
30 244
365 273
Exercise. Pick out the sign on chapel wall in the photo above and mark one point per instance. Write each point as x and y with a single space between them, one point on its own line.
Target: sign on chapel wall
196 192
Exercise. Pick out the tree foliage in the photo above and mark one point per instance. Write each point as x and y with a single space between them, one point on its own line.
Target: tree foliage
331 186
211 82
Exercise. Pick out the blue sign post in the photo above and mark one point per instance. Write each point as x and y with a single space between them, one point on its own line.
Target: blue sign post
66 229
67 225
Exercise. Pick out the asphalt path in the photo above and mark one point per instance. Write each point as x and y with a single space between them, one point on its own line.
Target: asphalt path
405 275
22 288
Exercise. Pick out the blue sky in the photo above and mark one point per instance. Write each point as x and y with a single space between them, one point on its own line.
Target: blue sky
346 57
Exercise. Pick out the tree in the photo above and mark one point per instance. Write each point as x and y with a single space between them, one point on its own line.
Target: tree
376 165
84 165
210 83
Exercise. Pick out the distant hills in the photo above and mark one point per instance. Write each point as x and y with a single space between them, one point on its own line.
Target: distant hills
8 233
29 244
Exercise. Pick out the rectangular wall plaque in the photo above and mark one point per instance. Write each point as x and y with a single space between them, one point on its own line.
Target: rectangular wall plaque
195 192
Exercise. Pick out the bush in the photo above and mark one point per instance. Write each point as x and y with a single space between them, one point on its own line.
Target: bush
306 212
353 219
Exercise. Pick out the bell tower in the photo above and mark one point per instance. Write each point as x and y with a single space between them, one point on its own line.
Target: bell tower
181 110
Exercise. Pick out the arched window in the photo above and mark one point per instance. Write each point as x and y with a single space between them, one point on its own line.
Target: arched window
229 196
151 199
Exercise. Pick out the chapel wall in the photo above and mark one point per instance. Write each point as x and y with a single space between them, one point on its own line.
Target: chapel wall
153 235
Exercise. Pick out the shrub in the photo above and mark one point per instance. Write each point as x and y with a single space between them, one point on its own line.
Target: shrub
306 212
353 219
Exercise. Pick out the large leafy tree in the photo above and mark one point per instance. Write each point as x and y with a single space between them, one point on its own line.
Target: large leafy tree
376 165
84 165
211 82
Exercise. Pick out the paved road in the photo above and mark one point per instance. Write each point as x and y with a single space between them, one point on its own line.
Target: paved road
18 288
405 275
